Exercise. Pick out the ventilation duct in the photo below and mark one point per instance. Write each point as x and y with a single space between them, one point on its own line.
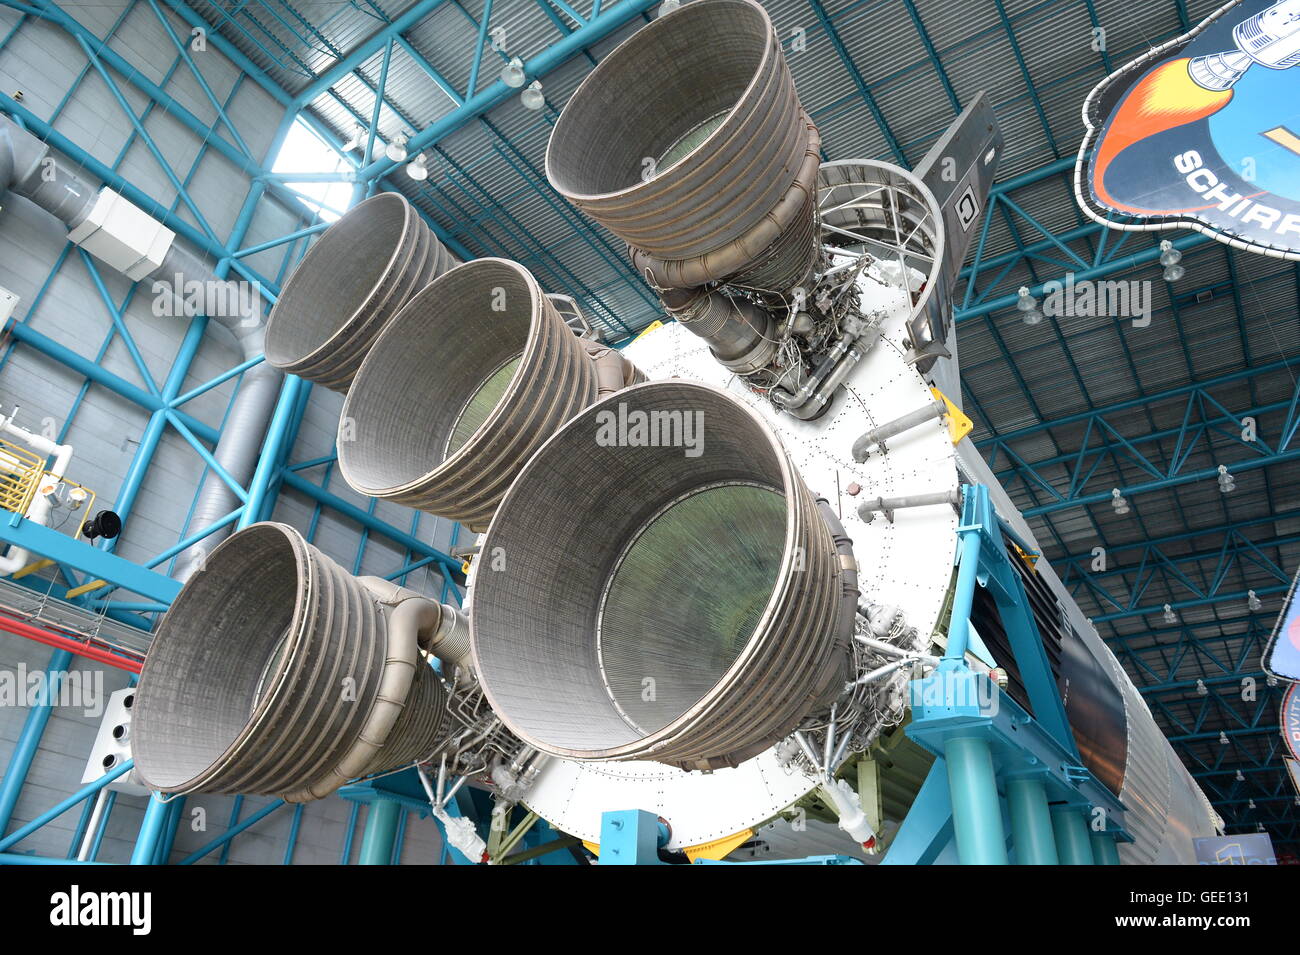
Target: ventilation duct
355 278
473 375
30 169
275 672
669 592
689 143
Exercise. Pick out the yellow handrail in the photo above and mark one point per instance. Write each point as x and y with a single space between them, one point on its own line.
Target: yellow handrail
21 471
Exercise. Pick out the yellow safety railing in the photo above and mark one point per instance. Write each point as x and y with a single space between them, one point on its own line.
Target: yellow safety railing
21 471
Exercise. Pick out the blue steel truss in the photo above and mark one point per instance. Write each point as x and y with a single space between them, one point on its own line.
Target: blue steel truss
1060 452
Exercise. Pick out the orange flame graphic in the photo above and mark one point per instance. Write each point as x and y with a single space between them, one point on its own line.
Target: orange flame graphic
1167 97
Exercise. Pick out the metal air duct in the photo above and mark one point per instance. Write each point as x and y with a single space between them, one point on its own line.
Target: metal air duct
356 277
277 672
669 590
689 143
464 384
31 169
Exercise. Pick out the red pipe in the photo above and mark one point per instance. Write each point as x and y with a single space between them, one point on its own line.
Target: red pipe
20 628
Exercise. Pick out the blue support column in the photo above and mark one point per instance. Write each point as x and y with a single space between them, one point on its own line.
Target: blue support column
345 856
984 735
29 740
380 835
282 423
1031 823
152 829
976 806
1104 849
1072 842
175 809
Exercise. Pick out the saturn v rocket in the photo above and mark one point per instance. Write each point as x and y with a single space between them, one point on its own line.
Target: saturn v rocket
709 563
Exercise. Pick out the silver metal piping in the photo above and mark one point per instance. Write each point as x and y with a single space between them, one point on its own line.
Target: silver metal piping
30 169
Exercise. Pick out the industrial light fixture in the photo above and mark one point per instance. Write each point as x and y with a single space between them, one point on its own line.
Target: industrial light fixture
1252 601
418 168
1118 501
1270 680
1028 306
1170 616
1241 777
1227 482
1201 688
359 134
1250 804
668 6
396 150
533 97
1223 738
512 74
1169 258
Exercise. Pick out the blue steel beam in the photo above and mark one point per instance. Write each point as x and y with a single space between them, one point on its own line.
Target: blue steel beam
864 92
90 789
29 738
97 563
364 51
1236 552
496 92
294 481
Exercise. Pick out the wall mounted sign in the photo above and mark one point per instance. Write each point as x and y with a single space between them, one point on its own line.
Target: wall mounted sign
1203 133
1282 655
1289 719
1255 848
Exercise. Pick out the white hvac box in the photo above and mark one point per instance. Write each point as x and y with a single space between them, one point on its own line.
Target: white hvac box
113 745
123 236
8 301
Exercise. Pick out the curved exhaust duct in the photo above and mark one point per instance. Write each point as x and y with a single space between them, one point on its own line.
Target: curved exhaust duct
356 277
670 591
276 672
242 432
689 143
29 168
460 389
